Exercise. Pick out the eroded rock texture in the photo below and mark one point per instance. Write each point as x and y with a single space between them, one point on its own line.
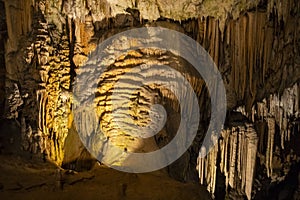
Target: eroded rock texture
255 45
38 78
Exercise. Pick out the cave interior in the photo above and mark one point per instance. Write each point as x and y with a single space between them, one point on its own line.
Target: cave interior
65 72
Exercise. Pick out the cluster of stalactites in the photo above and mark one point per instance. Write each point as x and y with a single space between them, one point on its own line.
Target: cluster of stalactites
281 8
151 10
281 109
234 156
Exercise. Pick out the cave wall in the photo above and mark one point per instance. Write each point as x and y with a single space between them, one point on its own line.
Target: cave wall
255 45
3 35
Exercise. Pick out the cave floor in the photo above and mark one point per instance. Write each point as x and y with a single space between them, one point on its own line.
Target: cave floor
29 179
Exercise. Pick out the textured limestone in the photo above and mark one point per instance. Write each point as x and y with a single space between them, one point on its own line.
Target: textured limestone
13 101
142 98
256 51
42 69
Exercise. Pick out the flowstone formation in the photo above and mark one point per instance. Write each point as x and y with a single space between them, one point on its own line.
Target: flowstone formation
254 43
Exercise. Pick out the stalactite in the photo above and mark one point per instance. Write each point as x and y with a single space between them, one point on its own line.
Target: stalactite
212 169
251 149
244 47
277 110
239 153
282 108
269 156
201 166
240 141
225 160
232 158
269 153
251 46
282 8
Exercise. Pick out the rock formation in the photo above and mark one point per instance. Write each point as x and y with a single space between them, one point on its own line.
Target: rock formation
254 43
